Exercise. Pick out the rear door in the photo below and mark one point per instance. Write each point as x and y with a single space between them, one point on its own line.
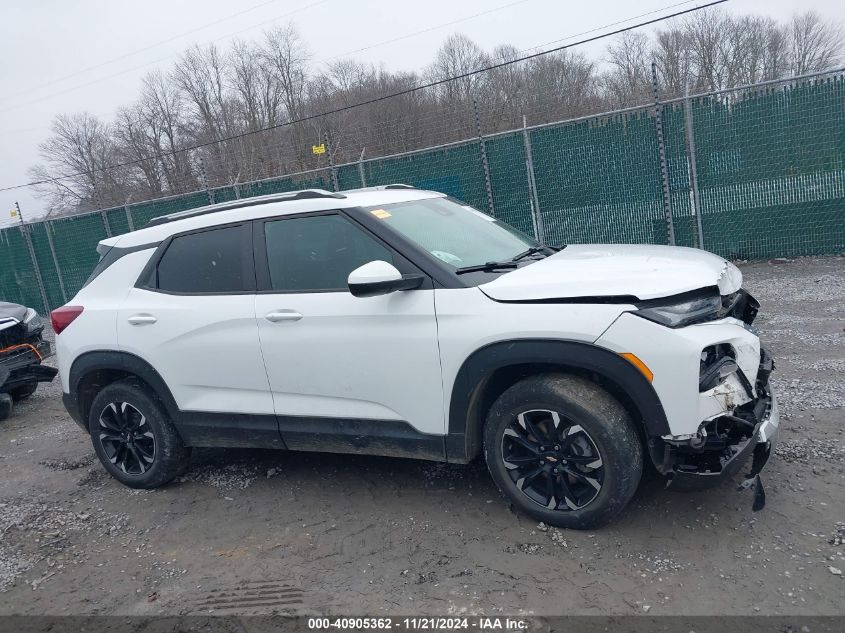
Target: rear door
346 373
192 317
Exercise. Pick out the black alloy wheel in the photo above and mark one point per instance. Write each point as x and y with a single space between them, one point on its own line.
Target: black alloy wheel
126 439
552 460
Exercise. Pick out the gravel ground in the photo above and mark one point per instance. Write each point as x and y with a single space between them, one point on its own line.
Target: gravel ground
352 534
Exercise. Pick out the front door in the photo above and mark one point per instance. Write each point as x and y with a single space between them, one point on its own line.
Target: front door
347 374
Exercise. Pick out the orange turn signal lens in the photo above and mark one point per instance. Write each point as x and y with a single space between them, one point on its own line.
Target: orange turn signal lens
636 362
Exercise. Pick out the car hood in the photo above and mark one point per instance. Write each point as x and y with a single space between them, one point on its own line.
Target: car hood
12 311
616 270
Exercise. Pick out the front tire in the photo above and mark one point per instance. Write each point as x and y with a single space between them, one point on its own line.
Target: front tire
134 438
563 450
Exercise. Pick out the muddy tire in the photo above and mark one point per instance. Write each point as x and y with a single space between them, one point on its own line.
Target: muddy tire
563 451
24 391
134 438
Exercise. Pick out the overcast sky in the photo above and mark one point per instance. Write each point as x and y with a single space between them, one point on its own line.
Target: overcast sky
65 56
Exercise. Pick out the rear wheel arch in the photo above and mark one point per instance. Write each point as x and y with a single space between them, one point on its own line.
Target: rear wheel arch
492 369
92 371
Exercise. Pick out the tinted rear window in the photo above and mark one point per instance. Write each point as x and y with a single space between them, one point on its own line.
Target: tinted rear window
208 262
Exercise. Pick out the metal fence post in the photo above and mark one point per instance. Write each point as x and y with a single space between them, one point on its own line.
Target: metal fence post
35 267
48 226
484 164
693 169
361 168
106 223
661 151
129 219
28 239
331 161
536 215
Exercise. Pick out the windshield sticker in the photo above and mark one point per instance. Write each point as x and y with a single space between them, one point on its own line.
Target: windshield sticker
381 214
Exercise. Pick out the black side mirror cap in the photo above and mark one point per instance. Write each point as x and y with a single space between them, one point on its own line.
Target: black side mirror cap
377 288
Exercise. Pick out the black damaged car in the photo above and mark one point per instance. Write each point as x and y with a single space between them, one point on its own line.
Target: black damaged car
22 352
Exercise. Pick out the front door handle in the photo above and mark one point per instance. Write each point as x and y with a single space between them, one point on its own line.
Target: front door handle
283 315
142 319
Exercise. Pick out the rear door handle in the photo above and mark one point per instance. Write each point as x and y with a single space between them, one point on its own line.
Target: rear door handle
283 315
142 319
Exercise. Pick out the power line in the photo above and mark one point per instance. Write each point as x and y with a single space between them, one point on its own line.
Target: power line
636 17
430 84
155 61
146 48
390 41
366 48
428 30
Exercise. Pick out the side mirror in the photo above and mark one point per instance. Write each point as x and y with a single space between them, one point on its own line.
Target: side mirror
380 278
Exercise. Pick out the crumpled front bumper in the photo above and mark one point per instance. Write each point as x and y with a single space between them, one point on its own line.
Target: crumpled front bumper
759 445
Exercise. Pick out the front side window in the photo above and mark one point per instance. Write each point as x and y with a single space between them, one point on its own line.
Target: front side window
454 233
317 253
205 263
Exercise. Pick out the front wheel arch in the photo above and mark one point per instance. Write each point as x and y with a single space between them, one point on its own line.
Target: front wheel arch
492 369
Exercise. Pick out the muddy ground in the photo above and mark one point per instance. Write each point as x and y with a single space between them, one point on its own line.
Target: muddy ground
316 533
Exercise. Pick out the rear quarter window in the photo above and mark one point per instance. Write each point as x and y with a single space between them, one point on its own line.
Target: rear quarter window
208 262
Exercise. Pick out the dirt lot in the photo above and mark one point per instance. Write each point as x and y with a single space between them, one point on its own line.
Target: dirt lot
345 534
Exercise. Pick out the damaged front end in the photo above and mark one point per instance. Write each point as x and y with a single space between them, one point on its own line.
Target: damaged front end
22 351
740 419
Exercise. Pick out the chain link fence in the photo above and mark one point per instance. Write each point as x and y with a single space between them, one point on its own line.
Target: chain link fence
748 173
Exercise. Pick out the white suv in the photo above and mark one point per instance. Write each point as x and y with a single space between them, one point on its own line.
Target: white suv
395 321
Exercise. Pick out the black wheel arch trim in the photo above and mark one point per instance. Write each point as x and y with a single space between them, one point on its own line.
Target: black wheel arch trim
114 360
463 443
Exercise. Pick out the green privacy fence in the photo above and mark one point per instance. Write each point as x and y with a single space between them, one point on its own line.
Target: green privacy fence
750 173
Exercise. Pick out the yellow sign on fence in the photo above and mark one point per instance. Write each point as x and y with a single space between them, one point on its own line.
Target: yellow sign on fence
318 149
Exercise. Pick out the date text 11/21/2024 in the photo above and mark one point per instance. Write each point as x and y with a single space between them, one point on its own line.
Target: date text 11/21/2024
420 623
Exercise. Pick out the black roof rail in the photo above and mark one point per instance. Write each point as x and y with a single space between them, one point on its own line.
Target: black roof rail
304 194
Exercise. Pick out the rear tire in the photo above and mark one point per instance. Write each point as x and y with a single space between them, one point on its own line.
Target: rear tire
563 450
24 391
133 436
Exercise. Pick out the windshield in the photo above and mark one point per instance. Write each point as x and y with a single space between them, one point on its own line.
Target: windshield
454 233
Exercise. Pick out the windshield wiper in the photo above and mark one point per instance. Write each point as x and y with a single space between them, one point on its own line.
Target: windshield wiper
486 267
529 252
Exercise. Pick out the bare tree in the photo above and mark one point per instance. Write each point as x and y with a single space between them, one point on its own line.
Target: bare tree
77 159
672 55
563 85
164 111
816 44
629 80
457 56
286 56
224 101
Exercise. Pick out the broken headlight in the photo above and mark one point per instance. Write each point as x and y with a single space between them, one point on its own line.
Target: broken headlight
678 313
33 323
